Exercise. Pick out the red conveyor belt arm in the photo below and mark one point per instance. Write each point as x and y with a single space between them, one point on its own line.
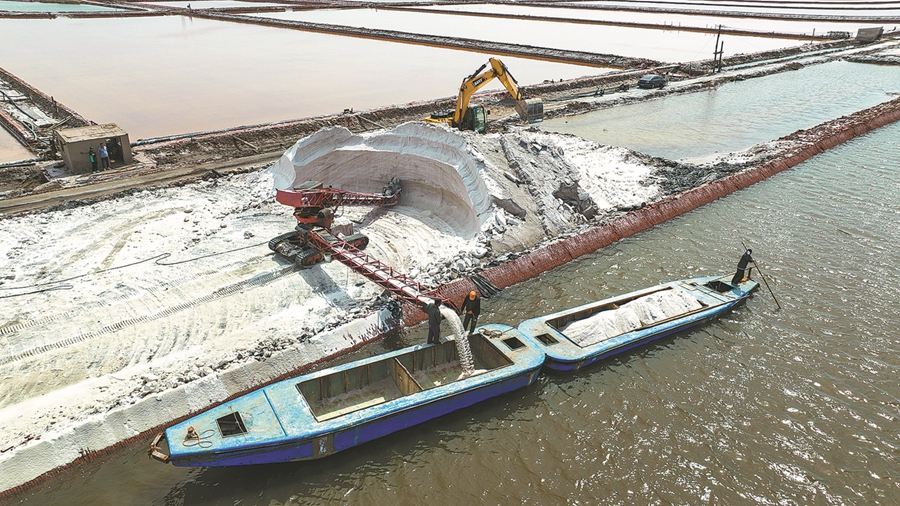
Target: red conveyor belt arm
375 270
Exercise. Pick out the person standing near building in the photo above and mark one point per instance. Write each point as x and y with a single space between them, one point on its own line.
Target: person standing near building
433 310
472 308
93 158
742 267
104 156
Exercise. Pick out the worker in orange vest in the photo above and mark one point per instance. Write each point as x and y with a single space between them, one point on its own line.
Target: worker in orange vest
472 308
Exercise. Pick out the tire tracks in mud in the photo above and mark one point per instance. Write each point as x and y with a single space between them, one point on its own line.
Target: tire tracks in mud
254 282
183 279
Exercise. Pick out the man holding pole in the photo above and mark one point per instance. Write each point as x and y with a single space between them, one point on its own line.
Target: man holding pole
742 267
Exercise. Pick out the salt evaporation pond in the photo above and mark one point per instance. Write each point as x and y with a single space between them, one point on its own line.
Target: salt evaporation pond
736 116
849 10
216 4
156 76
11 6
668 46
798 26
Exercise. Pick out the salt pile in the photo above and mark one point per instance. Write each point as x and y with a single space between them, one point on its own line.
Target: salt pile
641 312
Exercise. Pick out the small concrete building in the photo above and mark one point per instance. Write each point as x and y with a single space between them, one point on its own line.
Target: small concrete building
75 144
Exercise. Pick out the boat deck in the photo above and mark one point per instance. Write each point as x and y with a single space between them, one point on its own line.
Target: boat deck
372 395
386 390
442 375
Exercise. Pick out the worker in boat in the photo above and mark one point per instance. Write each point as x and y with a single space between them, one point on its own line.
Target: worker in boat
472 308
742 267
433 310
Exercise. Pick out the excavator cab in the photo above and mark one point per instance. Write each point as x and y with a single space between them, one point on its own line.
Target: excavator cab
474 119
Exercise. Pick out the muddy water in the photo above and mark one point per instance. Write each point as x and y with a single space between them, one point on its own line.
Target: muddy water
669 46
167 75
736 116
11 150
790 406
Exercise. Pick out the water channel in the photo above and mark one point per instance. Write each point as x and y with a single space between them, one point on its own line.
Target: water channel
11 150
737 115
790 406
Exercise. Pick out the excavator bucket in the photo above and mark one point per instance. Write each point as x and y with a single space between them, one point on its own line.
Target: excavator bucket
531 110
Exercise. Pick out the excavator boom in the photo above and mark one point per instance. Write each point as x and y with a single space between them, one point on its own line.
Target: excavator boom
475 82
472 118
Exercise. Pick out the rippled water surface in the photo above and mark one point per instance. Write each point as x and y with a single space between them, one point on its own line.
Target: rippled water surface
790 406
736 116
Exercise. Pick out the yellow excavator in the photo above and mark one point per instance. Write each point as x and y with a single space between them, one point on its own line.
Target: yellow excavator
465 117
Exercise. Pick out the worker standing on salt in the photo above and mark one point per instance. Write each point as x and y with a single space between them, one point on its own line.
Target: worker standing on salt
472 308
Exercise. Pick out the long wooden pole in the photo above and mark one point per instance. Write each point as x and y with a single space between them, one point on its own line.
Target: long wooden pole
763 277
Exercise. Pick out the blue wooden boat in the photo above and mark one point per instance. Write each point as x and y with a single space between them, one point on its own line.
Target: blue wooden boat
324 412
578 337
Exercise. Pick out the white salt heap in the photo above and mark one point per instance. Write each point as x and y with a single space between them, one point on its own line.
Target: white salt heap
641 312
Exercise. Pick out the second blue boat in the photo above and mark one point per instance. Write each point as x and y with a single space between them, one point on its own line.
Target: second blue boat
580 336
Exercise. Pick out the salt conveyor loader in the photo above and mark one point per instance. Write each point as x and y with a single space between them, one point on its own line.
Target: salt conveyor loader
314 207
314 241
465 117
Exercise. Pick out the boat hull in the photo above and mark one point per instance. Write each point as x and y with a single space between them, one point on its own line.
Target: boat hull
328 444
338 408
